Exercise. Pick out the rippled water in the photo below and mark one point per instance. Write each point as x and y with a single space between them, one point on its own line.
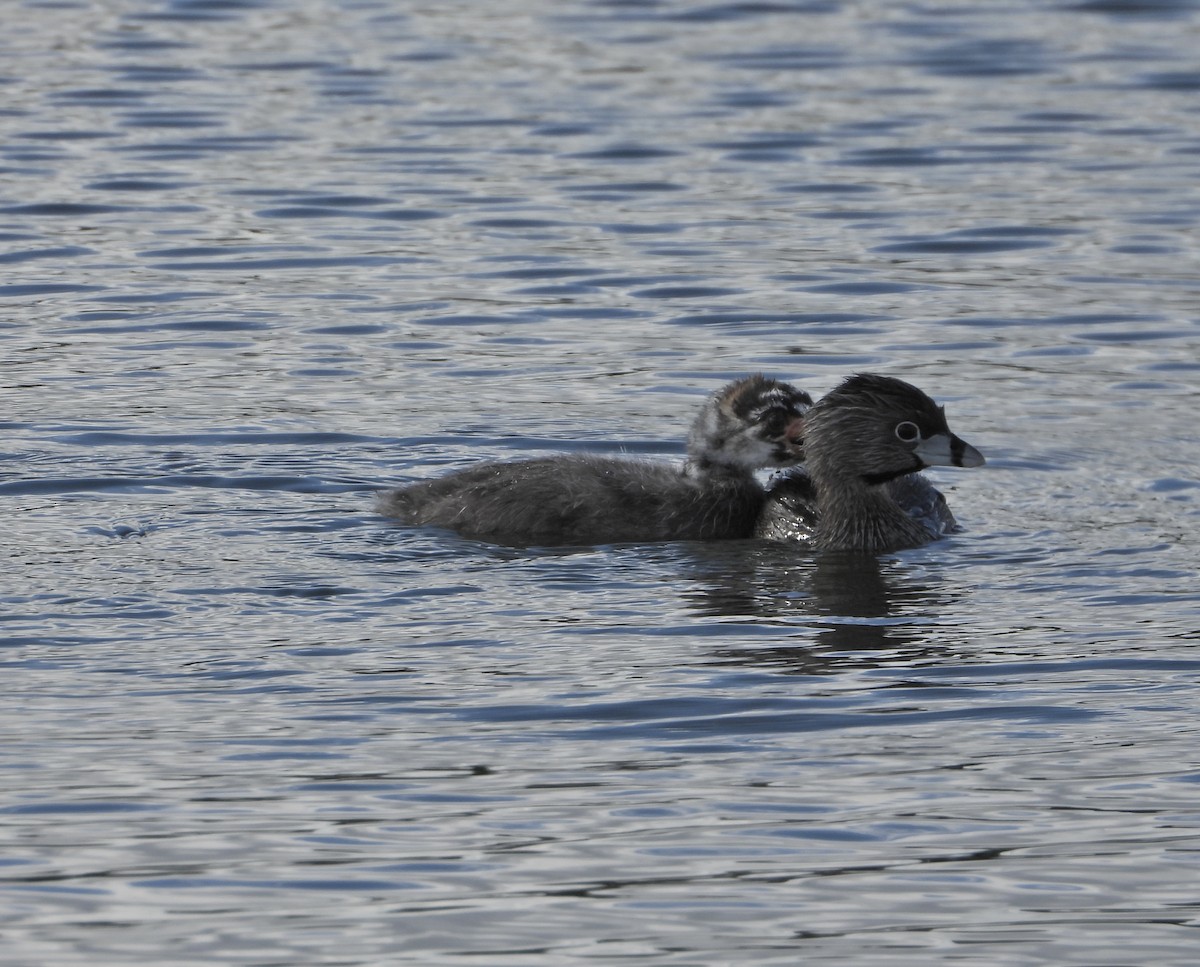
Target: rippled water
259 259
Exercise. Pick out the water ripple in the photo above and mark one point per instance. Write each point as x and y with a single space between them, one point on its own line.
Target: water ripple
266 259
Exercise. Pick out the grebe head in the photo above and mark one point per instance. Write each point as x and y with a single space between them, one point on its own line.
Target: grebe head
752 423
881 428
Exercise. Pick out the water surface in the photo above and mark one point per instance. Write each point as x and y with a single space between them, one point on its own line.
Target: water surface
260 259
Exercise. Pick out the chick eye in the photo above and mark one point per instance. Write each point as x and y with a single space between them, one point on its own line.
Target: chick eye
907 432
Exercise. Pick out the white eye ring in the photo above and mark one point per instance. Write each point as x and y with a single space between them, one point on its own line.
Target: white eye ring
907 432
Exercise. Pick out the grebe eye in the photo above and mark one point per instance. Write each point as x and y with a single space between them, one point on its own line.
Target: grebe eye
908 432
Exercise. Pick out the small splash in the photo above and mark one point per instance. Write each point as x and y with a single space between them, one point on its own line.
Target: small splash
120 530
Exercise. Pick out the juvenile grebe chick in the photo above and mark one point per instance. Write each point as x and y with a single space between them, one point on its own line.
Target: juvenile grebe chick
751 424
865 443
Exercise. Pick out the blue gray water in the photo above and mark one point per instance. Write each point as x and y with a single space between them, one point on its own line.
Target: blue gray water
259 259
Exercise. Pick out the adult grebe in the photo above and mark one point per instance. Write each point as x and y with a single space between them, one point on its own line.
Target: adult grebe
860 489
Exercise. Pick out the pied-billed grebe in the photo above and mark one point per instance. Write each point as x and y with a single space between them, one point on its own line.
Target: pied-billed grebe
751 424
864 444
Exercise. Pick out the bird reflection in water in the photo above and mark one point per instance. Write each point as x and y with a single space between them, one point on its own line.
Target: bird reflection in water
838 608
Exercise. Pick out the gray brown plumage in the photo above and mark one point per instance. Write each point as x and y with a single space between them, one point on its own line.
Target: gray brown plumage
585 499
865 443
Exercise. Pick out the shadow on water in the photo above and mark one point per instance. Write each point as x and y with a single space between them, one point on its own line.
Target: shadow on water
853 604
